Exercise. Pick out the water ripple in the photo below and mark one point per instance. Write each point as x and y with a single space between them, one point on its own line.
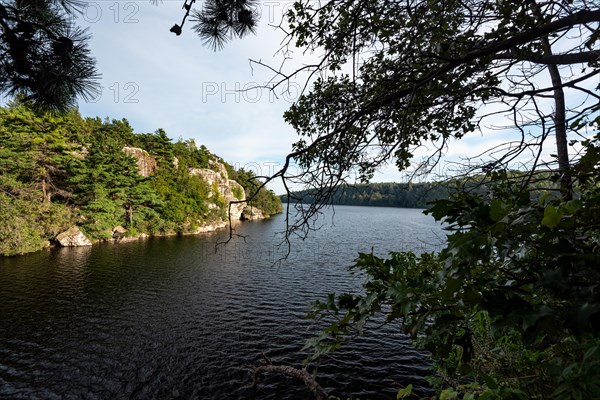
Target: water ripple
168 318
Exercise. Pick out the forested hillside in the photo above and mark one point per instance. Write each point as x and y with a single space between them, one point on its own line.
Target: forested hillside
382 194
60 170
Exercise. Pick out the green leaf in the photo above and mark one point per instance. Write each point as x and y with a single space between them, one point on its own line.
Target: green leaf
440 209
448 394
487 394
551 217
489 381
404 393
572 206
497 210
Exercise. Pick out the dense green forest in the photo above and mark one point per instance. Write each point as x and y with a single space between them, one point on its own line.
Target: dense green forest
406 195
59 170
424 194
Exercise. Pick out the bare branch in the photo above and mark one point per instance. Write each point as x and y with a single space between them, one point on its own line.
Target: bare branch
299 374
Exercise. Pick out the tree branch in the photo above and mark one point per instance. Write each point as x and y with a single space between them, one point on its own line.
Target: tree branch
555 59
300 374
581 17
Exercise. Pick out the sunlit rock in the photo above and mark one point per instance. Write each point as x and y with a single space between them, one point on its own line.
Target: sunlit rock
73 237
145 162
119 231
229 189
211 227
251 213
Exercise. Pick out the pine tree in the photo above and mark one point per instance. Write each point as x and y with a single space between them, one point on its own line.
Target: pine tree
43 54
218 21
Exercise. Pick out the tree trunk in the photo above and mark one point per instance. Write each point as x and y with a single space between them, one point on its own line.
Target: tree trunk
560 126
130 214
45 193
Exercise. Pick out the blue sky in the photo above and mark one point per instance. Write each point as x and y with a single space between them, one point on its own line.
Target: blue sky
158 80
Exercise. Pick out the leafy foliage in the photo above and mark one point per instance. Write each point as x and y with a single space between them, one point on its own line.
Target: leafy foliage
510 308
27 224
265 200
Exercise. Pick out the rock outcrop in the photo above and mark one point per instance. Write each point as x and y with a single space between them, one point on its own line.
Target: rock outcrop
229 189
118 232
145 162
249 213
211 227
73 237
216 175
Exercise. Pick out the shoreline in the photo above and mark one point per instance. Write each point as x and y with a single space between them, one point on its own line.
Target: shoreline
205 228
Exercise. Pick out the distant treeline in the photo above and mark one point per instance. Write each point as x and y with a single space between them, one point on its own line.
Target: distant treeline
406 195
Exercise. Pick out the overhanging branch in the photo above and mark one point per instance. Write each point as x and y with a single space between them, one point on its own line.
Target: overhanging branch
555 59
582 17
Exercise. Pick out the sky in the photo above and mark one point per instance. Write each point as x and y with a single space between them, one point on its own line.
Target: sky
156 79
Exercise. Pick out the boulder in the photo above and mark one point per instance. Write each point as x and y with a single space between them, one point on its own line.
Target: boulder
118 232
251 213
72 237
211 227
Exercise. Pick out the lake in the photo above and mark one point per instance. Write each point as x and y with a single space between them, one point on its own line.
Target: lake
171 318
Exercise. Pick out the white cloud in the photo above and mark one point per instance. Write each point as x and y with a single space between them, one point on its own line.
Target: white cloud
158 80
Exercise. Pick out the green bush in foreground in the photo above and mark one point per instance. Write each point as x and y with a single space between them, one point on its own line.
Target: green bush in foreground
510 308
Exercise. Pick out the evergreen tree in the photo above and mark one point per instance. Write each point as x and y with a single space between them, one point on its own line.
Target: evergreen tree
43 54
217 21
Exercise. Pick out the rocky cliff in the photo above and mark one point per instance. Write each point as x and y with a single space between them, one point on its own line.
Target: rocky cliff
145 162
86 183
228 188
216 175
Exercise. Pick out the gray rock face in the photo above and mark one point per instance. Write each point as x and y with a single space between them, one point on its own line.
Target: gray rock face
73 237
145 162
251 213
229 189
211 227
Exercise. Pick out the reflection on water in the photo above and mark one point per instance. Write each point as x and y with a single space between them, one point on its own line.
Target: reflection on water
167 318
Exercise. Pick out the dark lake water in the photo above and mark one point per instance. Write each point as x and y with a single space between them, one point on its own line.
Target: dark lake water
168 318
